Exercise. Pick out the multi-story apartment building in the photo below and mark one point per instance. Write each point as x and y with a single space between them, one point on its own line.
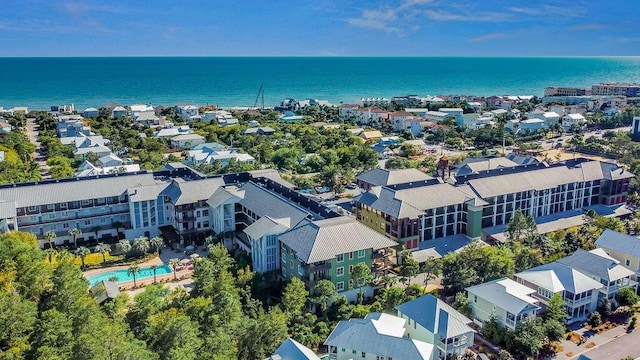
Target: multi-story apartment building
566 91
623 89
329 249
256 215
490 198
92 205
412 215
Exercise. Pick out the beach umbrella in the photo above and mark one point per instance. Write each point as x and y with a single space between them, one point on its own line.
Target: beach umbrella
195 256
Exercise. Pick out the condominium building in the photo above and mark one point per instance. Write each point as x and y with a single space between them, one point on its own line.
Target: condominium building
623 89
93 205
490 198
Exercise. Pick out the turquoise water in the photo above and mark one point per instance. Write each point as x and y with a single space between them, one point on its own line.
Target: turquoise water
232 81
123 276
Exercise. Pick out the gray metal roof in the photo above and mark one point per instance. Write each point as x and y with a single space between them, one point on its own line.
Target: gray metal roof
485 164
557 277
324 239
436 316
363 335
506 294
7 209
264 202
593 264
622 243
438 248
293 350
384 200
73 190
384 177
188 192
546 178
146 192
266 226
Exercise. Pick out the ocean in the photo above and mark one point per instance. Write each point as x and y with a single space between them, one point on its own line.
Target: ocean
234 81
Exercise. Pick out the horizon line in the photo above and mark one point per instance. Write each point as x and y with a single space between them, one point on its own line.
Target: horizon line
320 56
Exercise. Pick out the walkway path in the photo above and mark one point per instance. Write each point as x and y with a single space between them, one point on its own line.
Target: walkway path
39 155
611 344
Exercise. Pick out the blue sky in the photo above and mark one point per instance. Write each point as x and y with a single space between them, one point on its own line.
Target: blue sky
319 28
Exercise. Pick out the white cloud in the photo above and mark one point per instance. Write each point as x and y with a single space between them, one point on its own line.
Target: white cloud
376 20
487 37
476 17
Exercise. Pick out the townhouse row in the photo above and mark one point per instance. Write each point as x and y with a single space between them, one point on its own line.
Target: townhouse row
584 280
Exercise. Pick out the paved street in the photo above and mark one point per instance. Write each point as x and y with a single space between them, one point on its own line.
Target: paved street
39 156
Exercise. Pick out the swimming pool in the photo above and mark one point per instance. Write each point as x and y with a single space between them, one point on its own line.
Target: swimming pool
123 276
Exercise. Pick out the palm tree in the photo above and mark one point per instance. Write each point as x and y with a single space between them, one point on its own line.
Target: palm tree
117 225
82 252
155 243
75 233
113 279
124 246
49 236
103 249
154 268
174 264
95 229
133 270
51 252
141 245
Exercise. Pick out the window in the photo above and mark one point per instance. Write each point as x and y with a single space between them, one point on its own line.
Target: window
360 254
300 270
627 262
86 202
34 218
65 226
205 224
351 255
475 298
87 222
353 351
63 205
205 212
340 286
52 216
284 271
363 355
103 220
340 271
50 206
350 269
198 213
33 208
340 258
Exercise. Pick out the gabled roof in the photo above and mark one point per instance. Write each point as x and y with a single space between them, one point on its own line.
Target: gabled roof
315 241
375 334
593 264
557 277
264 202
293 350
436 316
188 192
622 243
385 177
267 226
506 294
486 164
384 200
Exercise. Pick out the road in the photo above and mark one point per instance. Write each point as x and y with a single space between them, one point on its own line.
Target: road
39 155
546 145
627 345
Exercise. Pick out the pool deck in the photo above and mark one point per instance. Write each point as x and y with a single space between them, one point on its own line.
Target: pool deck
183 275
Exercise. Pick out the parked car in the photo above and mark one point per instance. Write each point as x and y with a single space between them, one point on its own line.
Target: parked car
352 186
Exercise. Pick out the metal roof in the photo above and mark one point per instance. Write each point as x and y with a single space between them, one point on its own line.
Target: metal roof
622 243
264 202
293 350
384 177
266 226
324 239
506 294
188 192
592 264
436 316
52 192
363 335
557 277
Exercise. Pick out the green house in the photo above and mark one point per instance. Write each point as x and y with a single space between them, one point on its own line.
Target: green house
329 249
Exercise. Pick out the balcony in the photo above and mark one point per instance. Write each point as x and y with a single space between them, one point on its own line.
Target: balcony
323 265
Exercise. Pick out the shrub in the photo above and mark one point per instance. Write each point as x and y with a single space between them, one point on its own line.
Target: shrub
595 319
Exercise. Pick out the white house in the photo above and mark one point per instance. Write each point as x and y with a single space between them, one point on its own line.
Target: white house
506 300
348 110
187 141
90 112
432 321
401 120
4 126
579 291
110 160
365 102
455 112
171 130
573 119
119 112
186 111
601 267
435 115
377 336
293 350
372 114
209 156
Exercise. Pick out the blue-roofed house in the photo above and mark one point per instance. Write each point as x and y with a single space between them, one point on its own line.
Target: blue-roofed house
624 248
431 320
293 350
377 336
